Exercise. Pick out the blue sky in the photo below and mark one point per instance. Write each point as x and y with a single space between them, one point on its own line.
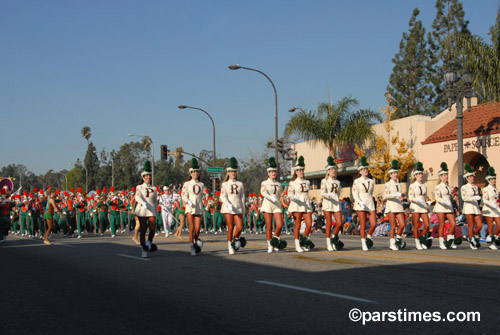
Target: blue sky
124 66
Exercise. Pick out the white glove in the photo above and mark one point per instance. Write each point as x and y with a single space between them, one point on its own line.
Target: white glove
361 203
190 203
494 204
422 201
144 204
273 198
229 206
448 202
477 197
397 194
296 197
333 196
93 210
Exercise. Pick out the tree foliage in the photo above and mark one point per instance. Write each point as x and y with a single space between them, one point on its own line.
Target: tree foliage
380 160
334 124
409 82
483 60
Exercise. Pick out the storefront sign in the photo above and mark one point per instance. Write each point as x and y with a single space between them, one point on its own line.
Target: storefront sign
474 144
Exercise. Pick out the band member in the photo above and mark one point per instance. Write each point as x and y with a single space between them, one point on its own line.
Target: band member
444 210
471 198
6 205
233 206
300 207
271 207
145 210
114 205
166 202
49 215
417 195
79 205
491 212
362 193
180 210
192 195
394 207
330 191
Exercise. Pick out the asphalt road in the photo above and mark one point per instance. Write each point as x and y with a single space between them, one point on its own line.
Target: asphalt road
99 285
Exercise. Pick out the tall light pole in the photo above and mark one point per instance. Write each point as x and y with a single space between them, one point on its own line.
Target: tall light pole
458 95
237 67
213 126
153 155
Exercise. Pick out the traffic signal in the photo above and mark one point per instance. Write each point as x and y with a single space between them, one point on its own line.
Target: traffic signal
217 183
280 145
164 152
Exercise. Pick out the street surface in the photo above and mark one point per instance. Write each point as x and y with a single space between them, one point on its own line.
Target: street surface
100 285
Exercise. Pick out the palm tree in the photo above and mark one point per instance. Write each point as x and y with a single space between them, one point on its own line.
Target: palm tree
86 133
334 124
483 60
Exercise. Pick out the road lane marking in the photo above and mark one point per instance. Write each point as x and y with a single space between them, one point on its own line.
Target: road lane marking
305 289
63 245
134 257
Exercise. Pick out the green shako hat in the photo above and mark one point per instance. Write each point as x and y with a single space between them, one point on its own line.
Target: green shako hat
271 164
394 166
444 169
233 165
419 168
300 164
469 171
194 165
147 169
491 173
331 163
363 163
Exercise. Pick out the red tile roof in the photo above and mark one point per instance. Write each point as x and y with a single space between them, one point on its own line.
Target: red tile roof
483 119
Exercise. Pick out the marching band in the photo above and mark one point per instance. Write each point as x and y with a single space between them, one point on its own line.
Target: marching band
147 209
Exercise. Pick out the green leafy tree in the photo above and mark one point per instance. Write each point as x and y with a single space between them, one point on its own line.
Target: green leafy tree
409 84
483 60
334 124
445 54
91 163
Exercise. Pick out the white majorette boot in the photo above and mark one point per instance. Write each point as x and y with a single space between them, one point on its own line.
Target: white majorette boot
490 239
418 245
451 238
297 246
193 252
269 247
230 248
441 243
144 254
329 244
392 244
363 244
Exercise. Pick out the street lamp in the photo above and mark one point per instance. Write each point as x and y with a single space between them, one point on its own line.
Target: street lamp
293 109
152 153
213 124
455 93
237 67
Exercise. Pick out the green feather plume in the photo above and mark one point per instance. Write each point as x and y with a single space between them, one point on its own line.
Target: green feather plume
272 162
330 161
147 166
364 161
194 164
395 164
233 163
444 166
420 166
469 168
301 161
491 171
